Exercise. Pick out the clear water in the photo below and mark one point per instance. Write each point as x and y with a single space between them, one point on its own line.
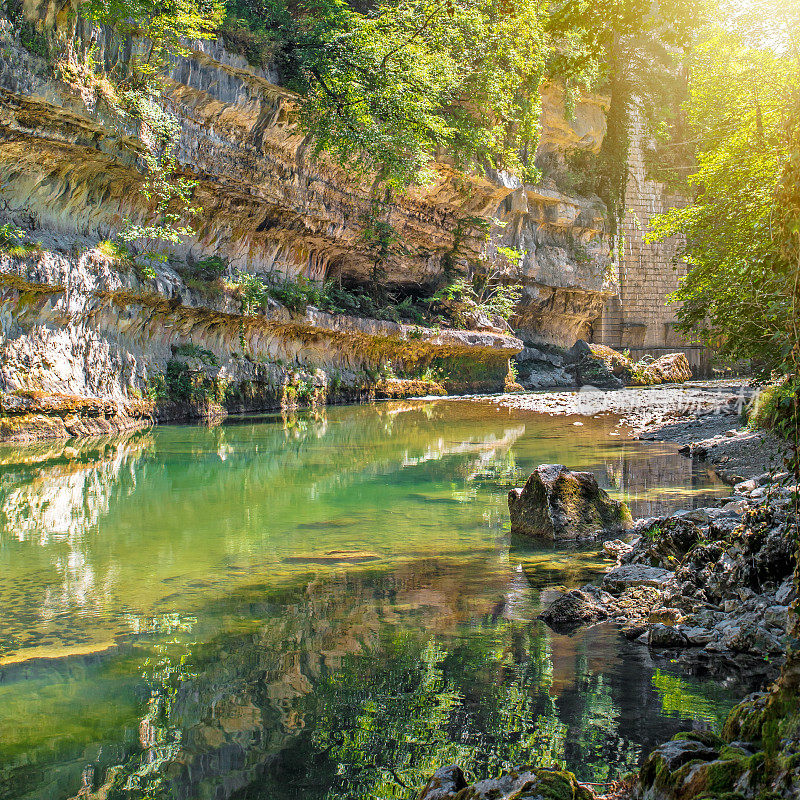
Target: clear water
317 606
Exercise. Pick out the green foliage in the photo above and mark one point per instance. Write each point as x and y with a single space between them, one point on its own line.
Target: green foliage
114 250
383 91
180 384
160 29
210 268
171 197
300 293
13 243
633 47
485 292
740 291
742 231
191 350
33 40
777 408
296 295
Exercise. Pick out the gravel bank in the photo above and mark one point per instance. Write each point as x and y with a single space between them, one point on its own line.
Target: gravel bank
705 418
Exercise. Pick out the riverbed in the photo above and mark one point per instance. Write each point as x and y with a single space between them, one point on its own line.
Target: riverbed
323 604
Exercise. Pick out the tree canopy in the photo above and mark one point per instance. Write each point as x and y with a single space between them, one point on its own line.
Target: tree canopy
740 229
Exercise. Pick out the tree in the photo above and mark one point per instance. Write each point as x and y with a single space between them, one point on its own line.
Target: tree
741 233
740 291
631 49
385 90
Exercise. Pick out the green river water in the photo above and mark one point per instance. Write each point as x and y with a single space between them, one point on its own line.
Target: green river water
321 606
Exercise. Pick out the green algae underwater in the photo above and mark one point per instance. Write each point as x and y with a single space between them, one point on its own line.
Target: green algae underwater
325 605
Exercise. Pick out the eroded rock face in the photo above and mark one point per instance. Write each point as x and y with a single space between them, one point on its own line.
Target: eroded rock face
74 324
268 205
83 341
561 505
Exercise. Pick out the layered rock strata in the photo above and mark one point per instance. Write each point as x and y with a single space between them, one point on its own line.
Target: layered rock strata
79 327
71 174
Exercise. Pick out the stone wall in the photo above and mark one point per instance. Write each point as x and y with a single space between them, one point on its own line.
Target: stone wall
638 316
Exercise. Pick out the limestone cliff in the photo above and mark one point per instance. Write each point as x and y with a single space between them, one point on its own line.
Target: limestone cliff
71 173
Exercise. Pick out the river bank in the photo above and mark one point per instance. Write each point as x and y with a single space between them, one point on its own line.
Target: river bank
708 588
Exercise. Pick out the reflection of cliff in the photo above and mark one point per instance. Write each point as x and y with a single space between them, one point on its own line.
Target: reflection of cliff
122 525
54 492
658 484
338 689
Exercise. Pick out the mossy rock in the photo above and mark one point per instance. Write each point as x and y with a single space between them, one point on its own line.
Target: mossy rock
559 505
448 783
708 738
745 720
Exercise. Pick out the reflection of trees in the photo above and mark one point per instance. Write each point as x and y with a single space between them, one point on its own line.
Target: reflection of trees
655 485
323 698
360 685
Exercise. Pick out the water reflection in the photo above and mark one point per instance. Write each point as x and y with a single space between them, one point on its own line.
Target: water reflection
313 605
362 685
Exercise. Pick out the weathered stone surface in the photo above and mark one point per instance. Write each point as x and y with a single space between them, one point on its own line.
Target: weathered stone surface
670 368
270 206
666 636
103 342
572 610
592 366
446 782
561 505
695 764
532 782
630 575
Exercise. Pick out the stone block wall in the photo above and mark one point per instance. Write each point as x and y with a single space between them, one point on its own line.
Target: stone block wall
639 316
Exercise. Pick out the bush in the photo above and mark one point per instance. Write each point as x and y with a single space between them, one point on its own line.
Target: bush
12 241
776 406
114 250
209 269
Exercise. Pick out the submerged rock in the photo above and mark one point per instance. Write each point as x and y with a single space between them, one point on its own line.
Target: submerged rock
571 610
533 782
561 505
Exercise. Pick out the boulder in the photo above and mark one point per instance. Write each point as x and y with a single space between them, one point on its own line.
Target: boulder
560 505
533 782
597 365
571 610
749 637
666 636
671 368
446 782
629 575
666 545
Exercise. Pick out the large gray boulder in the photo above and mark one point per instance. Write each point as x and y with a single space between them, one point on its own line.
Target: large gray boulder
629 575
561 505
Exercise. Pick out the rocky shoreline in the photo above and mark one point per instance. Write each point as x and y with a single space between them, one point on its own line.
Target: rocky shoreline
710 587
